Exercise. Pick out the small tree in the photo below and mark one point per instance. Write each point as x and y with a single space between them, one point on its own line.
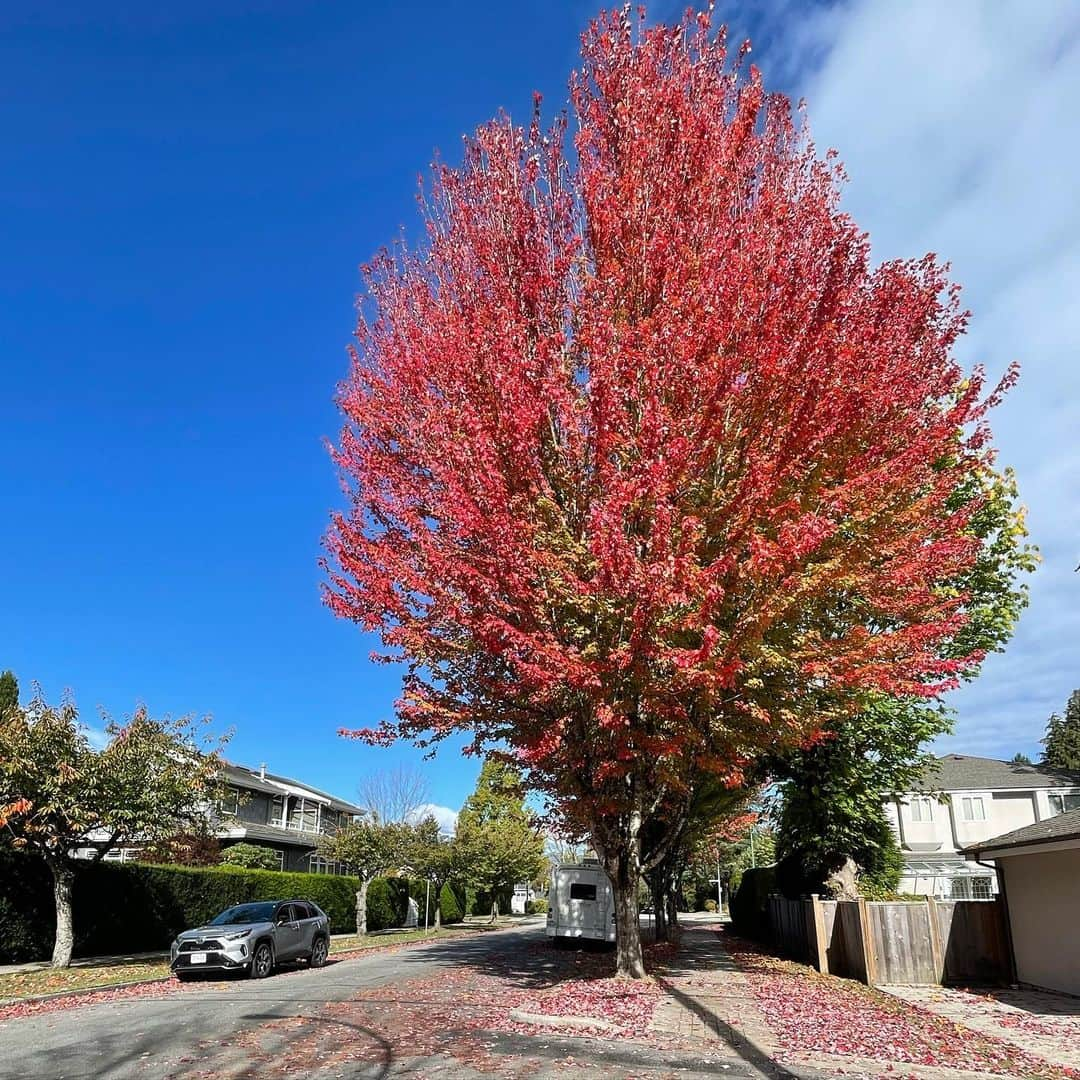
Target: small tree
69 804
251 857
1020 759
434 857
368 848
497 837
1062 741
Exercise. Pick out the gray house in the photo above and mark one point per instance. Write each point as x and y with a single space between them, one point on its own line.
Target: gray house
282 814
275 812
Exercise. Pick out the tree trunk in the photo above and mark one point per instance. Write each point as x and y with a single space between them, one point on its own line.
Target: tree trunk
625 876
438 909
671 900
659 900
63 882
494 908
361 908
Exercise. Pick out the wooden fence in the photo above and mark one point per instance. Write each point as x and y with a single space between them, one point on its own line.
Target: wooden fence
939 941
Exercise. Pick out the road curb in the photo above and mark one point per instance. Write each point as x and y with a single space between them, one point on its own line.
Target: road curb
573 1023
83 991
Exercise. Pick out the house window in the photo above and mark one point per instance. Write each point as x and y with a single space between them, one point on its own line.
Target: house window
280 858
959 888
922 808
972 808
230 802
981 889
304 816
277 811
317 864
1062 804
580 891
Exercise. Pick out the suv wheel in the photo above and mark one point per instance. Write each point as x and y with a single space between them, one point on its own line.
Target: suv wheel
262 960
319 952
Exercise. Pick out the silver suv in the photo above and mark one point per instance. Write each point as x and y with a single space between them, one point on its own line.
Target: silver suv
254 937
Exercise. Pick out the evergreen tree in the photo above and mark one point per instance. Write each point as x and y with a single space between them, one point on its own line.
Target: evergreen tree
1062 740
1020 759
9 692
497 835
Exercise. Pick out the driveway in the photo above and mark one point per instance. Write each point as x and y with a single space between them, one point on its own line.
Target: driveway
434 1011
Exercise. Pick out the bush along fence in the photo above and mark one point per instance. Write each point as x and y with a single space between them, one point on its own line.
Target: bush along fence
882 942
140 908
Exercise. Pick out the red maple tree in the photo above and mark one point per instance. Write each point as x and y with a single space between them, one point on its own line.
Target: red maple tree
647 463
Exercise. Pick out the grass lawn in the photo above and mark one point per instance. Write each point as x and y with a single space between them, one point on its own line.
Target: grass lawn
16 986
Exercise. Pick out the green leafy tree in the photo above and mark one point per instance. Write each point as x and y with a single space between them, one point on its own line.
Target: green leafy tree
1020 759
1062 741
69 803
834 791
435 857
251 857
9 692
369 847
498 839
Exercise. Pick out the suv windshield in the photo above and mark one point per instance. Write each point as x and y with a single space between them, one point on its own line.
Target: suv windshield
244 913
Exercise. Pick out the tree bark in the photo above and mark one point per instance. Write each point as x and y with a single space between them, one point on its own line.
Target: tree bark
625 876
438 908
494 908
63 882
361 908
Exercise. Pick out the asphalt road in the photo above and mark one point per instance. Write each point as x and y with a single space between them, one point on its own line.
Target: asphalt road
200 1030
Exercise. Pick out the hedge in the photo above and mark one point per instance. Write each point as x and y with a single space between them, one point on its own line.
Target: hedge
136 907
140 908
749 905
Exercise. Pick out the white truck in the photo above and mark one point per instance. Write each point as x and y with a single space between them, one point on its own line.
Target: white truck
581 903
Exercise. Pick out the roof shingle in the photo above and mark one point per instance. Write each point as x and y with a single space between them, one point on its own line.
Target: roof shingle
961 772
1061 827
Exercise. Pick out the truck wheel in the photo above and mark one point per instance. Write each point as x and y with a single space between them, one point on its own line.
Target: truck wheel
262 961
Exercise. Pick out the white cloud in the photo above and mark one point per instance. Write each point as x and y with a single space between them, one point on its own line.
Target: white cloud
446 817
956 122
97 737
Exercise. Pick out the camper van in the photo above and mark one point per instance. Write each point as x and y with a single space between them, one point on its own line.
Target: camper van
581 903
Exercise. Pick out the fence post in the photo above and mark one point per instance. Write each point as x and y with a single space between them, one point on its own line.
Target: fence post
866 932
821 946
937 956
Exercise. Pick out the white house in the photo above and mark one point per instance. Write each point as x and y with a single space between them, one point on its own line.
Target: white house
1040 866
966 800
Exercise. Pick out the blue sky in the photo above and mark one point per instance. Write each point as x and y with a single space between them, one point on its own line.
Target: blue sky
186 197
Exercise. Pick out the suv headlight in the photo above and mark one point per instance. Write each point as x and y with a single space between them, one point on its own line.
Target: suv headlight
238 936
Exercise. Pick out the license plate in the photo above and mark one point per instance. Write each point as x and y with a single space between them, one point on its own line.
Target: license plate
198 958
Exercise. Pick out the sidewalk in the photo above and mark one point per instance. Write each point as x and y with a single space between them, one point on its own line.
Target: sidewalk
1036 1021
786 1020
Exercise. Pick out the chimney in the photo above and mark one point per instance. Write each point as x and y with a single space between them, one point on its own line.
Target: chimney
262 771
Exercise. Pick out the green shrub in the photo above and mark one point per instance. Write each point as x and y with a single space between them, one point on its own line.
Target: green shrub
536 907
138 907
387 903
250 857
749 905
709 905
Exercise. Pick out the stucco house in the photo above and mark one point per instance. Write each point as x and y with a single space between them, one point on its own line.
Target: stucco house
1039 868
963 801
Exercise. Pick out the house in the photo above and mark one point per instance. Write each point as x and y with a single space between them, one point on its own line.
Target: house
1039 869
282 814
964 801
275 812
